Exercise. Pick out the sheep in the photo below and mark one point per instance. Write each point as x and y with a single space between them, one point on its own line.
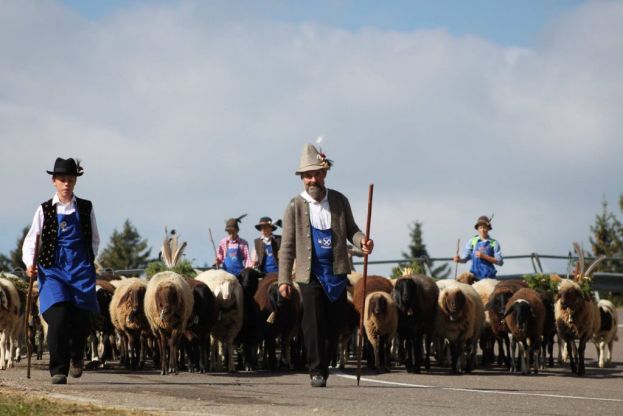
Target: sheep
525 318
466 277
503 291
380 324
200 323
607 333
230 299
459 320
127 315
11 312
345 335
373 283
168 306
416 300
38 332
485 288
280 318
549 327
103 330
250 335
577 314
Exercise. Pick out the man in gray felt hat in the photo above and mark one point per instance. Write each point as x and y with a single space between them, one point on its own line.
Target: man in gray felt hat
316 227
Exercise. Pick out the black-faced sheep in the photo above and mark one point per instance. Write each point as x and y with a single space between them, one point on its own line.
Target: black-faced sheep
280 318
496 305
607 334
168 306
380 324
549 328
127 315
10 321
250 335
525 318
459 321
103 331
416 299
199 326
230 300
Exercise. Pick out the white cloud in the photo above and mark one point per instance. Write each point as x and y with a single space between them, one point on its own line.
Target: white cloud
185 116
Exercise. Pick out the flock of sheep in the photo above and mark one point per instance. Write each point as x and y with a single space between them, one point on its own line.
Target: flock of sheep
200 324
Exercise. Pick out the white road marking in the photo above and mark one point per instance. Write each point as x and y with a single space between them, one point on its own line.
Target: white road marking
510 393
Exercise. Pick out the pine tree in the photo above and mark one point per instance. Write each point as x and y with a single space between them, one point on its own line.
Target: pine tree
417 249
16 254
126 250
5 263
607 238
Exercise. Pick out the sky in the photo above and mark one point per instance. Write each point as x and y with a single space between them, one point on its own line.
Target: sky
187 113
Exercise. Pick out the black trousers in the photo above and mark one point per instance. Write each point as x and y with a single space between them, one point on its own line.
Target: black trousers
321 324
68 329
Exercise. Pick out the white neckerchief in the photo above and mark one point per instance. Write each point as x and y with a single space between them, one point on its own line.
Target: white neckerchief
319 212
64 209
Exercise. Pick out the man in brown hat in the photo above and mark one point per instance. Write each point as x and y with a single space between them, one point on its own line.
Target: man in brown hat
316 227
233 251
65 269
482 250
266 248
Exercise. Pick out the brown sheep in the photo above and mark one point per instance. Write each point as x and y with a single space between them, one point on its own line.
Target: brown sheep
127 315
168 305
525 318
380 323
496 305
373 284
459 320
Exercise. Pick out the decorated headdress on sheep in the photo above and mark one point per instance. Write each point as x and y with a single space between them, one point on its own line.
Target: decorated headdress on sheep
171 250
313 158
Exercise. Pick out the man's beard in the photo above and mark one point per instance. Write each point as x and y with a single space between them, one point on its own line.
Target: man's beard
316 191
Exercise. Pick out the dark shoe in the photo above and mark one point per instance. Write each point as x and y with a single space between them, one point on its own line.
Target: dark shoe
75 369
59 379
318 381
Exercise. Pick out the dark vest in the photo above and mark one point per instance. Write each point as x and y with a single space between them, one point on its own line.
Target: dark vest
275 242
49 232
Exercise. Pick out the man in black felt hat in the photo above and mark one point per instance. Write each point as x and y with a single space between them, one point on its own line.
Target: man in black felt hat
266 248
482 250
65 269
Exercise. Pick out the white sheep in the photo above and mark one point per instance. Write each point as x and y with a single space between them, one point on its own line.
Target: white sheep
230 299
459 320
10 321
607 333
168 305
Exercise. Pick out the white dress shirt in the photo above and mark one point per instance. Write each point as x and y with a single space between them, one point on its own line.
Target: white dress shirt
319 212
28 249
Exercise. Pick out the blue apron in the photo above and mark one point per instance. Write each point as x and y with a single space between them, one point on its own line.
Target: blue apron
233 262
72 277
269 264
481 268
322 264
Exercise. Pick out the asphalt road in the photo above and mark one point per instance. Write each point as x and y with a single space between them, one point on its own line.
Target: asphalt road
484 392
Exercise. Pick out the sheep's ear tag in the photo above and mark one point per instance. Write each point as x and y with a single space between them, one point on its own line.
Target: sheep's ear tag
409 312
271 318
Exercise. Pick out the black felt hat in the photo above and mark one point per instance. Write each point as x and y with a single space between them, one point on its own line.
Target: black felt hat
66 167
267 221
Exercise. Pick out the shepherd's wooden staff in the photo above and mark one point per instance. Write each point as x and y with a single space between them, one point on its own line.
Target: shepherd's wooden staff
213 246
456 265
365 277
29 305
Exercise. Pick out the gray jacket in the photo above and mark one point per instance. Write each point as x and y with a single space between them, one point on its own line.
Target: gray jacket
296 241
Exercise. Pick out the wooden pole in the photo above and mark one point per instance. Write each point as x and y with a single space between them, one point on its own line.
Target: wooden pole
29 307
456 265
365 277
213 246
